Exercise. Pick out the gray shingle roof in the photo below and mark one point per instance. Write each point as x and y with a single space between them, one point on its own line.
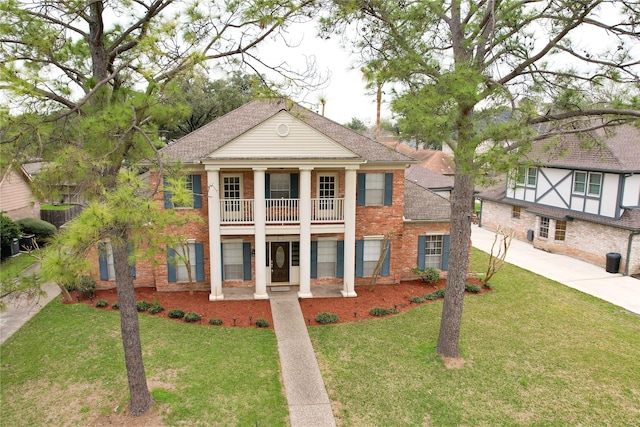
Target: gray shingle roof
615 150
421 204
629 220
205 140
428 179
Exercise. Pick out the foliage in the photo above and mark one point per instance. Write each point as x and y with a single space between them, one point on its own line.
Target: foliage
86 286
176 313
115 305
9 230
380 311
215 321
12 267
192 317
262 323
155 308
143 305
325 317
437 294
417 299
101 303
42 229
502 238
357 125
472 288
12 290
428 274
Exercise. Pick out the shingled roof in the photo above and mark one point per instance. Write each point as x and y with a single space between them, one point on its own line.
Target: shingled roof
420 204
614 149
427 178
207 139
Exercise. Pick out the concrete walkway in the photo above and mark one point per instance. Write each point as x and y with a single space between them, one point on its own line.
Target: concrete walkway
309 404
623 291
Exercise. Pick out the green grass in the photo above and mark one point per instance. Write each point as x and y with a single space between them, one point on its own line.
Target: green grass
11 267
66 367
536 352
47 207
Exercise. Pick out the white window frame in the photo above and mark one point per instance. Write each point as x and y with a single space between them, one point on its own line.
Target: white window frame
374 188
182 275
590 184
371 250
433 250
545 224
583 183
232 259
108 254
327 261
276 186
526 176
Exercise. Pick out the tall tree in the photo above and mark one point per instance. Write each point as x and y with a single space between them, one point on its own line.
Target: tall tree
485 72
88 82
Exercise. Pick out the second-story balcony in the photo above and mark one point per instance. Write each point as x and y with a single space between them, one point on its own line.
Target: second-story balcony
281 211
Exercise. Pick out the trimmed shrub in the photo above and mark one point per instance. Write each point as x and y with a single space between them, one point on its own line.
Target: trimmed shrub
472 288
155 308
324 318
380 311
143 306
86 286
176 313
9 230
42 229
192 317
101 303
115 305
428 275
262 323
70 286
215 322
417 299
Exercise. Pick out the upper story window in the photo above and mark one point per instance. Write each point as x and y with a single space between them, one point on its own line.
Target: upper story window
587 182
527 176
192 184
375 189
281 186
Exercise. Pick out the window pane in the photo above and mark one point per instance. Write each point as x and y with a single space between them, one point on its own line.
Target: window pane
531 176
110 266
370 256
561 230
579 182
544 227
374 189
188 184
295 254
433 252
232 260
595 180
327 258
185 254
279 185
515 213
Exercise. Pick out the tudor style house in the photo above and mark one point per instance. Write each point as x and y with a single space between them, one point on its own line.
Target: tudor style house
576 198
288 197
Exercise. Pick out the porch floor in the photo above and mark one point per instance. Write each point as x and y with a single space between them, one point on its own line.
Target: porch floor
325 291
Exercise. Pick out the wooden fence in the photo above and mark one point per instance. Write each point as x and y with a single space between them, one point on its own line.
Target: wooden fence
58 218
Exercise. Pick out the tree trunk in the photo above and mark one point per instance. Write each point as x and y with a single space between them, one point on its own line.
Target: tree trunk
448 339
141 400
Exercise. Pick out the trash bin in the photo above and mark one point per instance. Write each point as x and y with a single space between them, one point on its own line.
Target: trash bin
28 242
15 246
613 262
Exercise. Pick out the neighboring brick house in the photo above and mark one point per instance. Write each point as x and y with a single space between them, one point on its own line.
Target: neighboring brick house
289 197
17 201
579 200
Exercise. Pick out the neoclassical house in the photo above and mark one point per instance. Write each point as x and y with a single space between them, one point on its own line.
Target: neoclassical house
577 198
289 197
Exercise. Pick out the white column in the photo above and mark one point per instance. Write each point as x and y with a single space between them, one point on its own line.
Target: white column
349 233
213 200
305 233
260 217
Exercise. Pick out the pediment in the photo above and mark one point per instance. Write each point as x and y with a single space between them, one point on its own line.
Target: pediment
283 136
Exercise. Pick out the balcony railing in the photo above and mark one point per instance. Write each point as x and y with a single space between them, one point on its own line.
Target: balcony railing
281 211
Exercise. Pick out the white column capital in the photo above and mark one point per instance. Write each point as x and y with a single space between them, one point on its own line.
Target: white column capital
258 168
306 168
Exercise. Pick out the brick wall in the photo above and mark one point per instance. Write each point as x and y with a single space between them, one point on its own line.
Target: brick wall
584 240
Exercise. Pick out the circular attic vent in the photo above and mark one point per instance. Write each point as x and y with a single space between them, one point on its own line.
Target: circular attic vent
283 129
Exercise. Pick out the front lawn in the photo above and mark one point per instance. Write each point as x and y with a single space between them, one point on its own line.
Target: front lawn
12 267
536 353
65 367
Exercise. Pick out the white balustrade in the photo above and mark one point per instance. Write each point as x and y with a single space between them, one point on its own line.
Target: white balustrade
281 211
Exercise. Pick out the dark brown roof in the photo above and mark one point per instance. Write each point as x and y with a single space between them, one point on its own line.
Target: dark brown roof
428 179
433 160
629 220
420 204
202 142
612 150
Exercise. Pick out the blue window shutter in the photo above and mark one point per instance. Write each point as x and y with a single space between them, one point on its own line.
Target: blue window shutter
102 261
314 259
340 260
446 244
361 188
246 260
171 267
422 249
133 264
267 186
199 262
168 204
388 189
222 261
359 257
196 187
386 263
293 186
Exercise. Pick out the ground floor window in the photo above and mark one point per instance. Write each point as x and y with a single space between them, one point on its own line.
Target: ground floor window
544 227
515 212
186 259
106 264
232 260
370 256
561 230
327 258
433 251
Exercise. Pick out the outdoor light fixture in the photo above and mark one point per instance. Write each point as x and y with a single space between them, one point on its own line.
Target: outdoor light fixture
250 317
234 321
355 314
309 321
